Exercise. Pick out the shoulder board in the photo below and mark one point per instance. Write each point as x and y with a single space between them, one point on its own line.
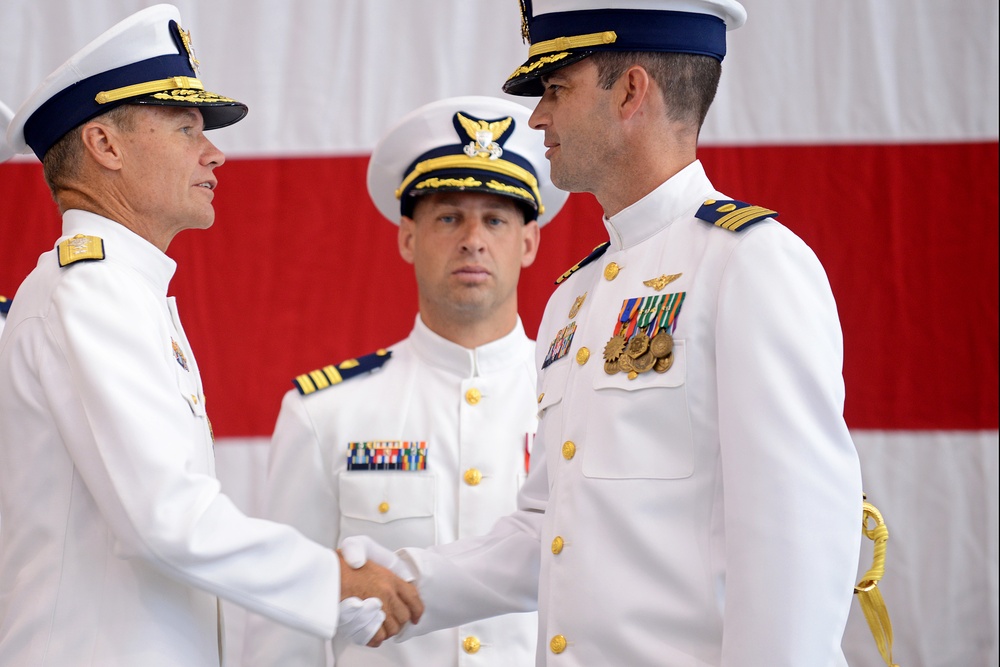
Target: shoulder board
731 214
594 254
80 248
321 378
4 304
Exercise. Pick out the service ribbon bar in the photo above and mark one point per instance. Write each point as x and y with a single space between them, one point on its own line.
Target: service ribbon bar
387 455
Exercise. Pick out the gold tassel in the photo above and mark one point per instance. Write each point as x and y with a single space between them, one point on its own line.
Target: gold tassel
867 590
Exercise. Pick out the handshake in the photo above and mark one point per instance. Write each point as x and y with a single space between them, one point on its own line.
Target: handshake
377 598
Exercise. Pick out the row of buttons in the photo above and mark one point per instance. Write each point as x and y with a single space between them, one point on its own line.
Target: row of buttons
472 476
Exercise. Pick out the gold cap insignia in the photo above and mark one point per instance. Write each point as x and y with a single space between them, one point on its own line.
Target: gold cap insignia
186 40
484 135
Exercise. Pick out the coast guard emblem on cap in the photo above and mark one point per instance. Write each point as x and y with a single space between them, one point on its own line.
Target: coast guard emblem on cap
487 136
186 41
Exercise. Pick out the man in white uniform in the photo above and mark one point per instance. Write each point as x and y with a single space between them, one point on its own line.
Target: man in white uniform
452 407
117 543
695 497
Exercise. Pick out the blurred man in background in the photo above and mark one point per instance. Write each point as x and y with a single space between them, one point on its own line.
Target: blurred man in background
427 441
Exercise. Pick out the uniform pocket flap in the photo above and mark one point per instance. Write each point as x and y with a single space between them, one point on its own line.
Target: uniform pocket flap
385 496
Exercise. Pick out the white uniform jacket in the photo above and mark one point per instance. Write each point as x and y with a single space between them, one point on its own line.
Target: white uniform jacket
708 515
476 412
116 540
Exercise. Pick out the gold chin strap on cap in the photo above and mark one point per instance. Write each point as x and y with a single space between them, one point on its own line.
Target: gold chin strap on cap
483 164
867 590
574 42
148 88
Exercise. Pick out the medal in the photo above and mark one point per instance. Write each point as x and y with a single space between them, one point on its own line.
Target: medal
639 345
663 365
625 364
644 362
611 367
616 345
662 344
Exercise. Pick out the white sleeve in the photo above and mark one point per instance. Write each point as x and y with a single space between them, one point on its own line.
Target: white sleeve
791 476
298 493
144 453
485 576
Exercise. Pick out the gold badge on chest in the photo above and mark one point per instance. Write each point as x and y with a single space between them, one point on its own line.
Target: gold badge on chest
576 305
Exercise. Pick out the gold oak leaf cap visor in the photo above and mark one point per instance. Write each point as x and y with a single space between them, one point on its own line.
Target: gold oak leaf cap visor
471 143
145 59
562 32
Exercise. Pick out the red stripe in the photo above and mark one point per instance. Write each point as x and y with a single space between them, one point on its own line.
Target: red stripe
300 271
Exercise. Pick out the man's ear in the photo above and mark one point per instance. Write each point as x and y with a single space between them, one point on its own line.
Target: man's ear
530 238
406 238
633 87
103 143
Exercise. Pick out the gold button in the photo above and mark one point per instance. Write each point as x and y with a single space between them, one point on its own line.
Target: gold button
582 355
383 508
473 477
569 450
541 396
611 271
471 644
557 545
558 644
473 396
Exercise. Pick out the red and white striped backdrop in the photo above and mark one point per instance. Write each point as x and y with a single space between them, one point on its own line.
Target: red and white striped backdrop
870 126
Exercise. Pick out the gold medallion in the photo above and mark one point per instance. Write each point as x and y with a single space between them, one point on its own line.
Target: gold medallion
662 344
663 365
638 345
644 362
625 364
611 367
614 347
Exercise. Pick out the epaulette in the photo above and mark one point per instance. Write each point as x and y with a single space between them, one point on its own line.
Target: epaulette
80 248
321 378
731 214
4 304
594 254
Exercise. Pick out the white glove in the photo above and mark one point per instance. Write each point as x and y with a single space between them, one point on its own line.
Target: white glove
359 549
359 621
